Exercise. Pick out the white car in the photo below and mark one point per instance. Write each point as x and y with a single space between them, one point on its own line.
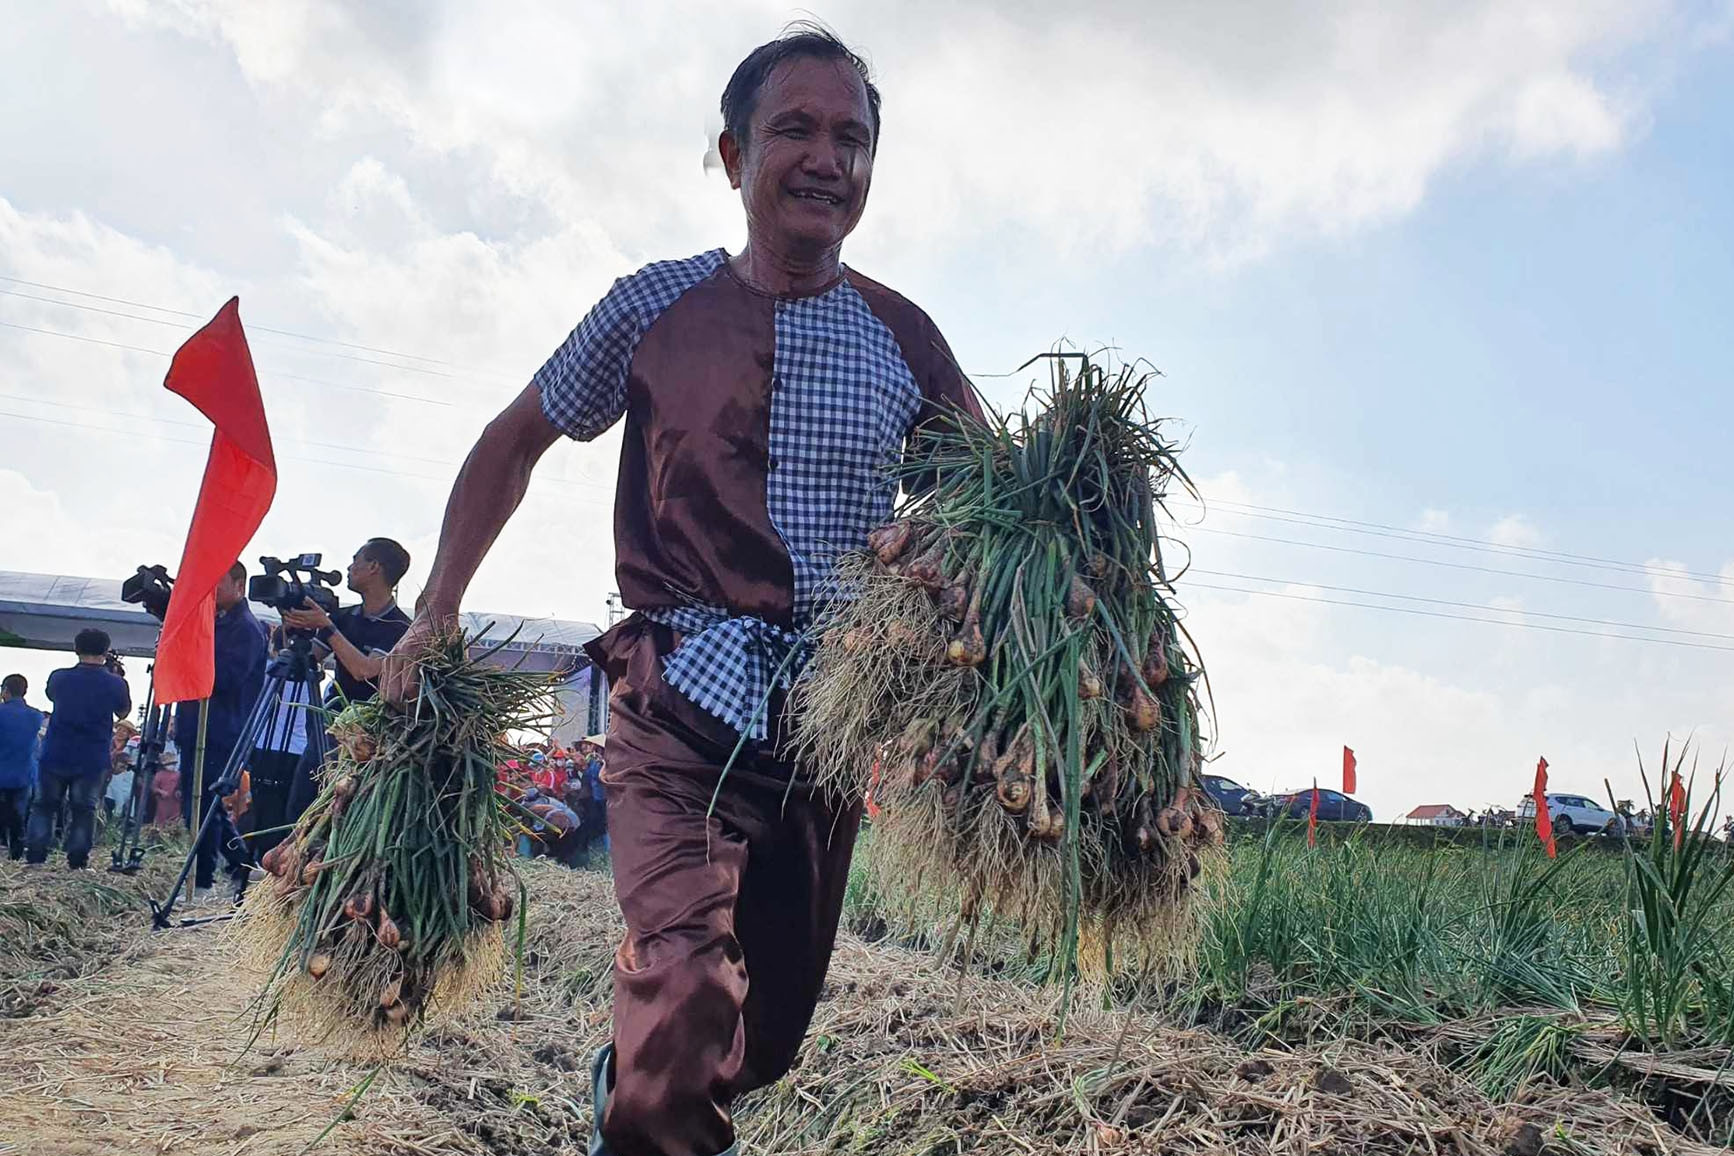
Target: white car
1573 814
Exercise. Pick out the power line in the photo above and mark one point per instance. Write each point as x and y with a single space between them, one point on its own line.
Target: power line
1463 605
86 426
1245 509
179 326
1413 611
206 426
1461 617
1459 565
1448 541
268 373
1294 517
1204 529
255 328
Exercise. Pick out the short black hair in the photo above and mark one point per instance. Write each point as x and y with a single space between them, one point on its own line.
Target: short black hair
238 572
804 39
15 685
392 558
91 641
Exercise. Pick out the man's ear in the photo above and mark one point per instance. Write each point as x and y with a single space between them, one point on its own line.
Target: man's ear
732 157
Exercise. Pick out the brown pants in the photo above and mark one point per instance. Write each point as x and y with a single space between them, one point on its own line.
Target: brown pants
731 910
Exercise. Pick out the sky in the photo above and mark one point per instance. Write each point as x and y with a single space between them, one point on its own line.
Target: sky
1438 293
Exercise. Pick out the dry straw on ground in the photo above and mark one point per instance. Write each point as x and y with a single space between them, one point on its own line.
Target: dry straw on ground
138 1048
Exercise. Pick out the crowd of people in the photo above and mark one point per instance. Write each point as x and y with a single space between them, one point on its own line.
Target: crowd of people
561 793
72 767
53 765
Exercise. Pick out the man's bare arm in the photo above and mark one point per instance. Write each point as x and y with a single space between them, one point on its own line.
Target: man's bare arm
366 667
489 488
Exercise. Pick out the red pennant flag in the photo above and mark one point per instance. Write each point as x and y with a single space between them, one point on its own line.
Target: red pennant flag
1348 771
1313 818
1543 820
1677 809
872 806
214 371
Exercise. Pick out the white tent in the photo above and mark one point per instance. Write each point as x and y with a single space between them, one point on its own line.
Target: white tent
45 612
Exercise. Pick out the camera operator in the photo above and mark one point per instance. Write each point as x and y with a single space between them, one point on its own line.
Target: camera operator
87 699
240 674
359 637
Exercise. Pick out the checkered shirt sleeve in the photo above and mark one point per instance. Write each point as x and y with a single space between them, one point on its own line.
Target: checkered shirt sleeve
583 385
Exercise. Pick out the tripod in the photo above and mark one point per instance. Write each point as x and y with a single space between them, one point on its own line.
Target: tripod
127 855
294 666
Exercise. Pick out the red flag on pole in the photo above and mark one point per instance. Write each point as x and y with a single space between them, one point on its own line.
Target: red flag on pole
1313 818
214 371
1348 771
1677 809
1543 820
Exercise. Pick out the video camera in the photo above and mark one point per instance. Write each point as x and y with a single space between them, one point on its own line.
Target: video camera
290 585
150 587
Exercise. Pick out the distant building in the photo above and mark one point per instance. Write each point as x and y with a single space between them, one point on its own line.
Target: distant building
1435 815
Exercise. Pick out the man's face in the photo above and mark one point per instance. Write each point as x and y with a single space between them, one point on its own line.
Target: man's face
808 160
361 569
230 591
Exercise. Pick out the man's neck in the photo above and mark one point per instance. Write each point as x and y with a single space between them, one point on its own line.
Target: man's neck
93 660
374 601
786 274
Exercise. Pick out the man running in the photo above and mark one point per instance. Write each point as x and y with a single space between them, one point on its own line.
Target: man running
765 393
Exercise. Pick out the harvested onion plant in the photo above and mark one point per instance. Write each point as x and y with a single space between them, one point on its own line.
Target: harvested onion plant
392 896
1005 679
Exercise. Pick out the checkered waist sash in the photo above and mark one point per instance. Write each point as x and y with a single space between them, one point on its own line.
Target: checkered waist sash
729 664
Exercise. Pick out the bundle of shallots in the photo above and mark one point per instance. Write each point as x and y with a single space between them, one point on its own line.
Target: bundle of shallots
1006 681
393 892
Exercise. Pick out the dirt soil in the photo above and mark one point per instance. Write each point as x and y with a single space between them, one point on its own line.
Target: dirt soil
137 1046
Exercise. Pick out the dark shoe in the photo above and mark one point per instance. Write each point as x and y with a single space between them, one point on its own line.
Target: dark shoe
601 1083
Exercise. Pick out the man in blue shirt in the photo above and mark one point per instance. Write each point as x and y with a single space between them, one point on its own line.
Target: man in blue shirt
87 699
19 725
240 675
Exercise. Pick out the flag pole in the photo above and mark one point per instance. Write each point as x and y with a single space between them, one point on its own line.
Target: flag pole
193 809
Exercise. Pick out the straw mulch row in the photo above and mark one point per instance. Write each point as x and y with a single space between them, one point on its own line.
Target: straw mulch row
144 1052
57 925
905 1057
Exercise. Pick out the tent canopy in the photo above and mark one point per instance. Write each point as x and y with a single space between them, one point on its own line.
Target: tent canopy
46 611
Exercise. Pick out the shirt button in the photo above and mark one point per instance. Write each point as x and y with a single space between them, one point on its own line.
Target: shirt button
770 462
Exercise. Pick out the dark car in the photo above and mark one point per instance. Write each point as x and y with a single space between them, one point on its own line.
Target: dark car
1334 806
1233 798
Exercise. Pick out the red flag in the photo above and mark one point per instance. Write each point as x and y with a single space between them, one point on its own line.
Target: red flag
1677 809
1348 771
1543 820
214 371
872 806
1313 818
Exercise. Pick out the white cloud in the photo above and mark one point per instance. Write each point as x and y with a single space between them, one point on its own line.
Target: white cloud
1515 530
1220 130
1685 599
1434 521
